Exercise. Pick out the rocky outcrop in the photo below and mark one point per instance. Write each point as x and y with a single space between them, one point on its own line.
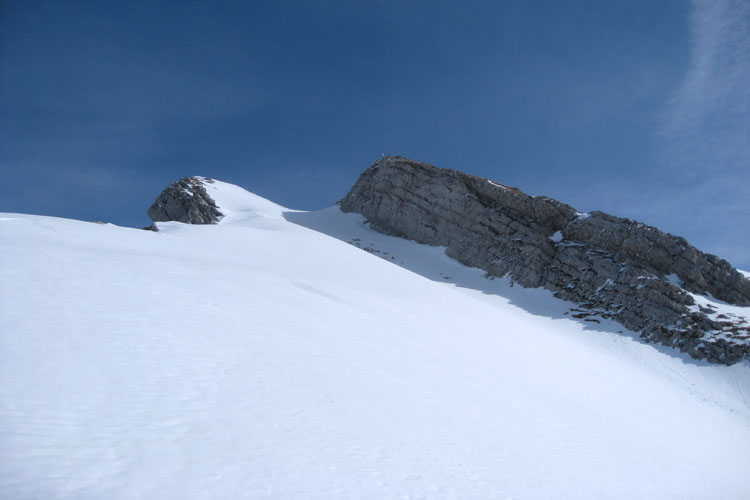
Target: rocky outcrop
611 267
186 201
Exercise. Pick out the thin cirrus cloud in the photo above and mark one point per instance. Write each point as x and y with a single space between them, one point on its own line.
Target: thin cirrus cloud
698 186
707 124
706 128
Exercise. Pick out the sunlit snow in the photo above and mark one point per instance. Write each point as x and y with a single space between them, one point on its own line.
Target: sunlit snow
270 357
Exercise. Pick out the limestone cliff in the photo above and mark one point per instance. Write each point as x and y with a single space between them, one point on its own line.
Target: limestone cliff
611 267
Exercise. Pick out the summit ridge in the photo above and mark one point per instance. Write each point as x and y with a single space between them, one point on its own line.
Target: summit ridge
649 281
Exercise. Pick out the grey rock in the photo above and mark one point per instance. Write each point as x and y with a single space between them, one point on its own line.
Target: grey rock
186 201
609 266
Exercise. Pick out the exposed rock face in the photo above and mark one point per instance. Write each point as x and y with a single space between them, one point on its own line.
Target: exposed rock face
611 267
186 201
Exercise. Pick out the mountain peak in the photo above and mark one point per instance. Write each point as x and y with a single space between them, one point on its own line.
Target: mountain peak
201 200
186 201
647 280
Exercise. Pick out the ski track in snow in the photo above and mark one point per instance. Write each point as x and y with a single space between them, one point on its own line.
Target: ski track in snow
269 357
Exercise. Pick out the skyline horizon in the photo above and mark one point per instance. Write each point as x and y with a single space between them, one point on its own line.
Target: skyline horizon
637 109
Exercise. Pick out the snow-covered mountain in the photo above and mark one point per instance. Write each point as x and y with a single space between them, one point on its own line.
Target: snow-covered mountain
269 356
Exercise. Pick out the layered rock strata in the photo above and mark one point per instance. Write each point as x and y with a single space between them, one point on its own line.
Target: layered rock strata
186 201
609 266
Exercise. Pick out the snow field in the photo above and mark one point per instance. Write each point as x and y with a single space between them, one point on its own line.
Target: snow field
264 357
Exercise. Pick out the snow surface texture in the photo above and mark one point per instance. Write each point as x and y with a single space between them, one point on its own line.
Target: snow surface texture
269 357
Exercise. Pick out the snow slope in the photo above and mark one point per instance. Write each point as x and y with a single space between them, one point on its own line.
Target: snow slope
264 357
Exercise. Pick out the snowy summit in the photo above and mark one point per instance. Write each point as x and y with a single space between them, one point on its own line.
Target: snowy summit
268 353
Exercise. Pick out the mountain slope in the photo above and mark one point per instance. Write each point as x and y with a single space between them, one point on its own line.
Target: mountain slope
263 358
647 280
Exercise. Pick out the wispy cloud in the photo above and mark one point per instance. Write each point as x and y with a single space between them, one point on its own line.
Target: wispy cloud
706 133
707 124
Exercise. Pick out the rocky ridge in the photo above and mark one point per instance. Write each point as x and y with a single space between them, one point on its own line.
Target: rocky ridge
611 267
186 201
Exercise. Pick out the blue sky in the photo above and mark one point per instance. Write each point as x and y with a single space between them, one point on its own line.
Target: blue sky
637 108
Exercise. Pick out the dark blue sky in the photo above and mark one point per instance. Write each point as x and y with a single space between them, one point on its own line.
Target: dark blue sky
637 108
